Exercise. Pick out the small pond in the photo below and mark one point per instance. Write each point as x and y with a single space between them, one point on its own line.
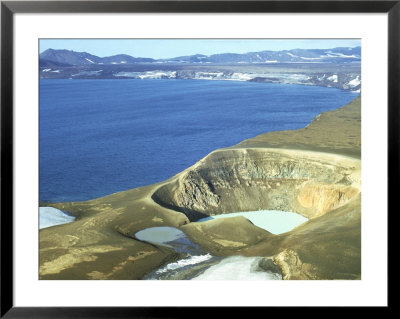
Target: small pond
274 221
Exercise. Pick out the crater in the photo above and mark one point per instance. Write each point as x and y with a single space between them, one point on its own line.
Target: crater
252 179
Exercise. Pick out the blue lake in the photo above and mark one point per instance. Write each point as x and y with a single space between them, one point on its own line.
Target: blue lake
99 137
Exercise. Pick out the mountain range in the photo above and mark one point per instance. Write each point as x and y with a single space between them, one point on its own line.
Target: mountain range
53 58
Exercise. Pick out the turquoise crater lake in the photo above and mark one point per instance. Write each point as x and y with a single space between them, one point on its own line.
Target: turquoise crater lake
274 221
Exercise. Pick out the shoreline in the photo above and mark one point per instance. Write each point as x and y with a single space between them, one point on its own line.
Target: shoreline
342 76
358 91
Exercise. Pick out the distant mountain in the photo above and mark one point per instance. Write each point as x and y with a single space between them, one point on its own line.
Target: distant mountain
336 55
84 58
52 64
69 57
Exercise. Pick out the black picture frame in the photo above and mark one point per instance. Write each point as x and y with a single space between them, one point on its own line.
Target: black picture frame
9 8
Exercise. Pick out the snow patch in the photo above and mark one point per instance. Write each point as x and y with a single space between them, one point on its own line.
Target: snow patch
333 78
89 60
148 75
158 75
209 75
341 55
241 76
237 268
192 260
310 58
355 82
49 216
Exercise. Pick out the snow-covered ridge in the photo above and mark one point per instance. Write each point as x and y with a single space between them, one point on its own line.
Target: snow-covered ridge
344 81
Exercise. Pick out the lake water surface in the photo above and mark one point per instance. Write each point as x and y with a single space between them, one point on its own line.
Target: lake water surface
98 137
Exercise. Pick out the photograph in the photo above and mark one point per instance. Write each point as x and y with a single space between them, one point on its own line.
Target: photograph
199 159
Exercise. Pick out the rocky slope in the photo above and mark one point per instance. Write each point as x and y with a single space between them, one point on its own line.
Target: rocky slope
314 171
346 77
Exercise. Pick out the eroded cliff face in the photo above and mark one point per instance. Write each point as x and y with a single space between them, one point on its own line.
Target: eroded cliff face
236 180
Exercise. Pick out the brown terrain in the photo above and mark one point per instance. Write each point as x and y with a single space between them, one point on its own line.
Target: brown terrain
314 171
